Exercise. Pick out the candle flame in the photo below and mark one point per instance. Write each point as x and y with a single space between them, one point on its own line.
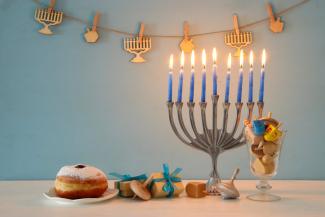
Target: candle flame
263 58
171 62
192 59
241 58
204 58
182 59
251 58
214 55
229 61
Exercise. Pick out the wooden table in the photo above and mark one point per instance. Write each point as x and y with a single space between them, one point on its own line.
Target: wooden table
300 198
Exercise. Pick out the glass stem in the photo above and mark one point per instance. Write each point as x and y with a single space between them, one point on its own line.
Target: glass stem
263 186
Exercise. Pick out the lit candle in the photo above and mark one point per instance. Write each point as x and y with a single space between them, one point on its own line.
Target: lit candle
170 79
215 77
240 81
180 79
250 84
228 78
203 76
261 95
192 77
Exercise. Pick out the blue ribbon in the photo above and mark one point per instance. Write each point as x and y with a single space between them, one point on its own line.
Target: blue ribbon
169 179
128 177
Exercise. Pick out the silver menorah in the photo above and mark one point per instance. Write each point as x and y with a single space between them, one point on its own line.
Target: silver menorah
211 141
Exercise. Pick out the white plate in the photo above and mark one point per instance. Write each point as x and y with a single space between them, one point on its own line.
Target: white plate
108 194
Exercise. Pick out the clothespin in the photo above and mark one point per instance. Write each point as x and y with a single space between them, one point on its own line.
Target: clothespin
141 32
236 25
276 25
51 6
95 21
186 30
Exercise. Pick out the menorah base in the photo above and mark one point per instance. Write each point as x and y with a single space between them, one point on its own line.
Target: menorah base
138 59
46 31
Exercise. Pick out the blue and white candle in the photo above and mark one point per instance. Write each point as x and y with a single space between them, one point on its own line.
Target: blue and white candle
180 79
170 79
250 77
214 76
261 92
204 80
228 79
240 80
192 77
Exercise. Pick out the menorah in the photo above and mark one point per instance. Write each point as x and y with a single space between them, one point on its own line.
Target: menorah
138 45
212 141
237 39
48 17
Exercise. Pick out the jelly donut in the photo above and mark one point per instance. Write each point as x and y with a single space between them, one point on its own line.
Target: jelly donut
80 181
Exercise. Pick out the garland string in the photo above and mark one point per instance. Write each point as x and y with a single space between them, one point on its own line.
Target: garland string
121 32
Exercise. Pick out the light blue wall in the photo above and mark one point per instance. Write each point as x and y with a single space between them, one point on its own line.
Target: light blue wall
63 101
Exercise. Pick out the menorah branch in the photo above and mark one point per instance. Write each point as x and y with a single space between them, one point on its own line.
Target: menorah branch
199 136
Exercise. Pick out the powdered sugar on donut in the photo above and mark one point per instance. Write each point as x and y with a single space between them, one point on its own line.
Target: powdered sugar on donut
81 171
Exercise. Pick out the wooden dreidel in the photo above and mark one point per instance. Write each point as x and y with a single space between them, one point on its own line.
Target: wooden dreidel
275 25
140 189
196 189
270 148
91 35
187 43
263 168
228 190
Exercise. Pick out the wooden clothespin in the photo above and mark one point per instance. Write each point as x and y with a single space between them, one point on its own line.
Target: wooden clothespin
51 6
187 43
141 31
186 30
275 25
95 21
236 25
91 35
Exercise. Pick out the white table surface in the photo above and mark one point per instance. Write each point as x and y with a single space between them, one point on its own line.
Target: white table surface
299 198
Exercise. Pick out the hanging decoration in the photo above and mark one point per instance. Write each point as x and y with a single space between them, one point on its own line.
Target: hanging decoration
275 23
138 45
91 35
187 43
48 17
238 39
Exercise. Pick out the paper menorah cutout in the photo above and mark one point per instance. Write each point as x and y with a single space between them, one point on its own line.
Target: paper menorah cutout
48 17
138 45
238 39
